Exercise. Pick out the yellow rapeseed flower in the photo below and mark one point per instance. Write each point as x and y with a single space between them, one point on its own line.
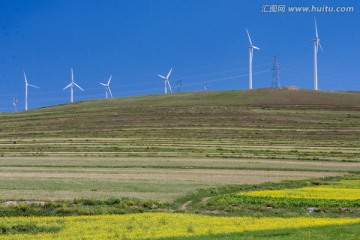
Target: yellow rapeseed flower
157 225
343 190
310 193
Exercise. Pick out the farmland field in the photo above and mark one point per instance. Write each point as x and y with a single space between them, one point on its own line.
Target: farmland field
188 152
159 225
41 178
338 191
147 147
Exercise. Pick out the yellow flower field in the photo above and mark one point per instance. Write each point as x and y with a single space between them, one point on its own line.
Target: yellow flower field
156 225
310 193
342 190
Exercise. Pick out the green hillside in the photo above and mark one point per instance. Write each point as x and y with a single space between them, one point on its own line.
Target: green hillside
165 146
204 114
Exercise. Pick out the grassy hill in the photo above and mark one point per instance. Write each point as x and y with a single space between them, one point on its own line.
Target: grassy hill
164 146
203 114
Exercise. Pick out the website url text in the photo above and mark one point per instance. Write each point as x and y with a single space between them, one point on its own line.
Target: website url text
303 9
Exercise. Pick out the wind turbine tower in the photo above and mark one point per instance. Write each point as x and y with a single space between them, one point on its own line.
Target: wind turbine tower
26 91
251 49
317 44
71 86
179 84
107 87
166 81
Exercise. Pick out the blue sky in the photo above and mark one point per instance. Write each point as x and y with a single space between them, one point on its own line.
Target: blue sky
134 40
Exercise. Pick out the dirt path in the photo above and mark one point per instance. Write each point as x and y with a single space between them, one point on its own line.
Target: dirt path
184 206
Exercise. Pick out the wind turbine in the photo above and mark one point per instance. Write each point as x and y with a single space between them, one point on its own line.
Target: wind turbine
316 43
251 48
166 81
26 91
107 87
71 86
15 101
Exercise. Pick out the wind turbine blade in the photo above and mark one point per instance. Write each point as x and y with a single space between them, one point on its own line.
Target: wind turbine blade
79 87
162 76
105 85
26 82
110 92
167 77
32 86
320 46
67 86
249 36
72 75
169 85
256 47
317 35
109 81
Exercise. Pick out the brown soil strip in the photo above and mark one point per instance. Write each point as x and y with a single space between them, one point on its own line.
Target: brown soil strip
184 206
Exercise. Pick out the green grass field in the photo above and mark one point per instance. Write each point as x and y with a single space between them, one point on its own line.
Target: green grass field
166 148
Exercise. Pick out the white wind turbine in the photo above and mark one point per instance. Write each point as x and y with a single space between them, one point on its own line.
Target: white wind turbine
26 91
71 86
316 43
251 48
166 81
15 101
107 87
